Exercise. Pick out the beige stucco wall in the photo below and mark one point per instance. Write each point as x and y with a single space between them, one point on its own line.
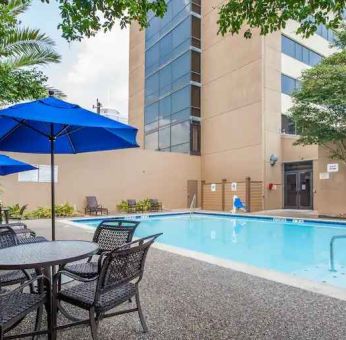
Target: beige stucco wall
231 102
330 194
136 80
111 176
271 118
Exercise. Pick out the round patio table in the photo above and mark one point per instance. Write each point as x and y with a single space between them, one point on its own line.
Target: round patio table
46 255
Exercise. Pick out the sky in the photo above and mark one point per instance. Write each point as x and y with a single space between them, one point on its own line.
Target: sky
90 69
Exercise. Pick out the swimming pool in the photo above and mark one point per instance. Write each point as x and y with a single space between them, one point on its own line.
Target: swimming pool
297 247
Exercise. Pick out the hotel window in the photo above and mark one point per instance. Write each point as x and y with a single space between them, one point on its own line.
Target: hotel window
287 125
325 33
172 78
299 52
195 138
289 84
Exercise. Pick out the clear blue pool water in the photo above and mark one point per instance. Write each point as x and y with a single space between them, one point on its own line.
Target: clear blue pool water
300 249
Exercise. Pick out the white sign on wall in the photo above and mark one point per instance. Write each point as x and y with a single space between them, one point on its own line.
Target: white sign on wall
324 175
213 187
40 175
333 167
234 186
28 176
44 174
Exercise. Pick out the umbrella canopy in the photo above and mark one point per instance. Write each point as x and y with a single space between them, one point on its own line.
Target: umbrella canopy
51 125
29 127
9 166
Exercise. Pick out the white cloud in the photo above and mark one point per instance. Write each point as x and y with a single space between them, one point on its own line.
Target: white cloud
96 68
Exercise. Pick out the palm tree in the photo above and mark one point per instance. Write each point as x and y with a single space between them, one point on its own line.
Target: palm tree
23 46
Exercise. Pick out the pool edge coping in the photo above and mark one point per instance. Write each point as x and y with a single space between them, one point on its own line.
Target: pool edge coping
267 274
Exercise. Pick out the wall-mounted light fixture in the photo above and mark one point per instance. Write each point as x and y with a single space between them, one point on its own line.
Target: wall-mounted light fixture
273 159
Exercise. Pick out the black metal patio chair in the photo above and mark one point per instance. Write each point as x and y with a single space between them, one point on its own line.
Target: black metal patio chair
155 205
9 238
109 235
16 304
133 207
121 271
21 229
94 207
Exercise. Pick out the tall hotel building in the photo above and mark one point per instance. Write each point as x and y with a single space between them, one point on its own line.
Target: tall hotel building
225 100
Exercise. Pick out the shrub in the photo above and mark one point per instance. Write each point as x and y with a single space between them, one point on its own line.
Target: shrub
61 210
14 209
143 205
123 206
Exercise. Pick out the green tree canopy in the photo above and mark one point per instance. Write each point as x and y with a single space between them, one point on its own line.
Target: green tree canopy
319 109
21 50
18 85
272 15
84 18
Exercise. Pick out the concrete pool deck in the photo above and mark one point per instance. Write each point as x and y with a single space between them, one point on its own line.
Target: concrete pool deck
184 298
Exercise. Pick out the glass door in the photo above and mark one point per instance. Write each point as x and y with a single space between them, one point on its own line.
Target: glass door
305 190
291 190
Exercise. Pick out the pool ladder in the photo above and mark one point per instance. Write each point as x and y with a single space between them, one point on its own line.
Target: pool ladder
193 204
331 251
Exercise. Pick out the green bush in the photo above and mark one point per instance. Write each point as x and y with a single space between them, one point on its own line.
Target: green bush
123 206
14 209
143 205
61 210
64 210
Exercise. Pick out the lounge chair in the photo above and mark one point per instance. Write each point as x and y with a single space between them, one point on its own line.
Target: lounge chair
117 282
94 207
19 216
133 207
155 205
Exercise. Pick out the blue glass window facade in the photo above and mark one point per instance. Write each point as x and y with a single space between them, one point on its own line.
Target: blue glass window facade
289 84
325 33
172 79
299 52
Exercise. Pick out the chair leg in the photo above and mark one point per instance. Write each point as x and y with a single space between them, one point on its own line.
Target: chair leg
93 324
1 334
140 313
38 320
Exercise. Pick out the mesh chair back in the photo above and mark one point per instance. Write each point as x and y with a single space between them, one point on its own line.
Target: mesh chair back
113 233
8 237
125 263
92 202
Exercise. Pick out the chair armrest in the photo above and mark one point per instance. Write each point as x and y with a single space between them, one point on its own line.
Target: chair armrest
72 276
25 284
101 259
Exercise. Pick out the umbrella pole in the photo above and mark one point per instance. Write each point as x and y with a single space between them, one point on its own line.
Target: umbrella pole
52 182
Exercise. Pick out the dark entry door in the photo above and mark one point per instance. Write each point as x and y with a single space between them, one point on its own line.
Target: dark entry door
298 186
305 190
291 190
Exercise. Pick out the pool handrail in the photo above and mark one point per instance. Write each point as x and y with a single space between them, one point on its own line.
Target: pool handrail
331 251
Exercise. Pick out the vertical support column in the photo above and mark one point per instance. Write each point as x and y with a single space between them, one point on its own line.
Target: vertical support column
248 193
223 193
202 195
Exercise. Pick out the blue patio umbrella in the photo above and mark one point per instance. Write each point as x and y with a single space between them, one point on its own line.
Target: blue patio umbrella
52 126
10 165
